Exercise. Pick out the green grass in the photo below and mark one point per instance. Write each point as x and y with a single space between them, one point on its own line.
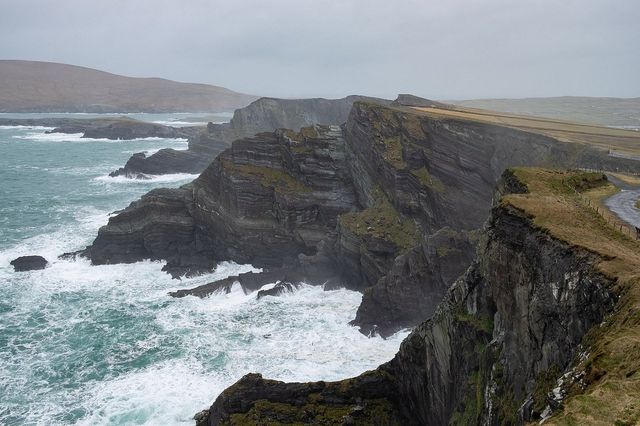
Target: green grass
427 180
612 369
309 132
382 221
585 181
393 152
316 411
277 179
545 382
480 323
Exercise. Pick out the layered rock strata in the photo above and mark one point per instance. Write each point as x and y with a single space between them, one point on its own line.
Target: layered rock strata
265 200
491 353
262 115
363 206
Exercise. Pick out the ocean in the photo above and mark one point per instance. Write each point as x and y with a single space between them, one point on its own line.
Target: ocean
82 344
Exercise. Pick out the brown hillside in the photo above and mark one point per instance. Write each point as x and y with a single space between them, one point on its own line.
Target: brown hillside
29 86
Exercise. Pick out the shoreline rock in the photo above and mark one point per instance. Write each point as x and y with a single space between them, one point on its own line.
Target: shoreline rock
28 263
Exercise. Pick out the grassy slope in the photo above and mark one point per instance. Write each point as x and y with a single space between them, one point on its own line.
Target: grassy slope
624 141
602 111
612 369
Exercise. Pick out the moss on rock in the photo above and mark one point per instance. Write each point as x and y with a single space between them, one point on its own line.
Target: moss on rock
277 179
268 413
382 221
393 152
427 180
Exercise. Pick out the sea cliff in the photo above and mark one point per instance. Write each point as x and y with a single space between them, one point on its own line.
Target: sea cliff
392 203
544 320
386 204
262 115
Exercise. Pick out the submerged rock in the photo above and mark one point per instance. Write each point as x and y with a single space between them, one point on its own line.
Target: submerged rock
286 277
279 289
29 263
72 255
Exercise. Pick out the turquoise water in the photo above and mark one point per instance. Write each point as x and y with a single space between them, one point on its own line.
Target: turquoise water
82 344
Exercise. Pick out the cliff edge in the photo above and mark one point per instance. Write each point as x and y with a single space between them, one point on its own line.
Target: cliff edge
543 325
386 204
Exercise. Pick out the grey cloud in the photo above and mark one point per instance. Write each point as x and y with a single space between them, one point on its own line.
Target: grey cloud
452 49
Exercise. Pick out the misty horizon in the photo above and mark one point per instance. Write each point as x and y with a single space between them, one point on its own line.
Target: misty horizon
457 50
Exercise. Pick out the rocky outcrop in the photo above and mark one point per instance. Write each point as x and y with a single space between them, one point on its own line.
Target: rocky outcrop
268 114
416 283
158 226
262 115
128 129
405 99
203 147
265 200
489 355
28 263
254 400
338 206
278 290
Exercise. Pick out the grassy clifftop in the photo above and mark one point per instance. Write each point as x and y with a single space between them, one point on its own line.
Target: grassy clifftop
602 111
610 373
624 142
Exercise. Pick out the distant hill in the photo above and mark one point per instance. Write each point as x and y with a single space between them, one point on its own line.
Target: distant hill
29 86
602 111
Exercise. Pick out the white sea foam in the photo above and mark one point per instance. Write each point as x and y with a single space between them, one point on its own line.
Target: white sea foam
57 137
180 147
175 144
78 137
630 127
85 344
295 337
25 127
174 177
181 123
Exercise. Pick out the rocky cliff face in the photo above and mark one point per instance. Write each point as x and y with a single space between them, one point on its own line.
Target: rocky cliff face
383 205
262 115
491 353
266 199
416 282
388 204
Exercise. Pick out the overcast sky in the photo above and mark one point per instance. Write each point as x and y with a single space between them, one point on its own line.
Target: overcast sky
445 49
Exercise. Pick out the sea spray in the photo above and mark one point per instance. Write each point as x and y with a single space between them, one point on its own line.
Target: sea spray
105 344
